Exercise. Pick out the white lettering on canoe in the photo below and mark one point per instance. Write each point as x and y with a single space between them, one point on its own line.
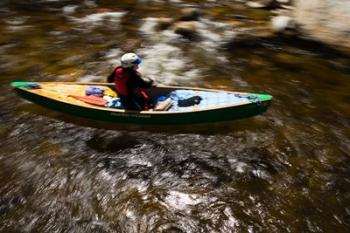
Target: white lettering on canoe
130 115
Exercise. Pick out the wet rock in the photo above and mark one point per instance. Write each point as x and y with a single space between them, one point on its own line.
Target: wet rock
325 20
250 37
283 1
186 29
164 23
263 4
282 23
268 4
190 14
256 5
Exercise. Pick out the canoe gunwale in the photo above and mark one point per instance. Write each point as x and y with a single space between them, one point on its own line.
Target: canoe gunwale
122 111
208 115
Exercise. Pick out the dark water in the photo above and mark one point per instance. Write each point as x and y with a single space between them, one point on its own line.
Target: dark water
287 170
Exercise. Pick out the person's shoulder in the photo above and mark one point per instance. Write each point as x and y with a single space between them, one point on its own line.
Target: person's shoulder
138 73
119 70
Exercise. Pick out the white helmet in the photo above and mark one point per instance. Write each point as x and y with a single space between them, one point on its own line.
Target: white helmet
130 60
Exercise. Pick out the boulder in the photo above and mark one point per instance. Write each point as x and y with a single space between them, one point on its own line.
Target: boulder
282 23
164 23
283 1
190 14
263 4
325 20
186 29
258 5
250 37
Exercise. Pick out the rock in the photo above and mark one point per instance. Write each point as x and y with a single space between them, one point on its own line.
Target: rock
256 5
283 1
164 23
325 20
250 37
263 4
186 29
282 23
190 14
268 4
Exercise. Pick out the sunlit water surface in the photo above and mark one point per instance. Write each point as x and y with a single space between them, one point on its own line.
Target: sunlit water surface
287 170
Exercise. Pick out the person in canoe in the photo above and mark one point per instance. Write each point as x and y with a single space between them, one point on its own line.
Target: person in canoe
129 84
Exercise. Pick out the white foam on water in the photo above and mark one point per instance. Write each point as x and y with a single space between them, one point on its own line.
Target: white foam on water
90 3
18 28
239 167
231 222
213 34
16 21
111 19
139 161
130 214
69 9
113 56
163 61
148 27
181 201
97 18
17 24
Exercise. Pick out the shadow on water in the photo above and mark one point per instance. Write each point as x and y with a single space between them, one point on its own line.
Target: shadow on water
121 142
206 129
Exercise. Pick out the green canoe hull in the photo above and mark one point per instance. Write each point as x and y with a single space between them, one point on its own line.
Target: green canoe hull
171 118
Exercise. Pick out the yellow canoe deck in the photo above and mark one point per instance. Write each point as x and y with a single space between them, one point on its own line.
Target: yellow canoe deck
64 92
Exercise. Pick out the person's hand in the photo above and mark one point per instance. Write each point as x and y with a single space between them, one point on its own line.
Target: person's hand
152 82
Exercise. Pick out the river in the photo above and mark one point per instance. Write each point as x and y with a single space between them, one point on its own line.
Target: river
286 170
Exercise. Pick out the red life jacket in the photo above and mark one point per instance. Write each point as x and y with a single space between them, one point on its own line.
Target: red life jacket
128 83
121 80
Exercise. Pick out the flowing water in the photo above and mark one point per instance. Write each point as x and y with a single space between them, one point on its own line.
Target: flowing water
287 170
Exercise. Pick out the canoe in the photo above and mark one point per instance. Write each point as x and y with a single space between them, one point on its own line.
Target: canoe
214 105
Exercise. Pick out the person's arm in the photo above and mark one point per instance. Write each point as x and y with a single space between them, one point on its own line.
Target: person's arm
143 83
110 78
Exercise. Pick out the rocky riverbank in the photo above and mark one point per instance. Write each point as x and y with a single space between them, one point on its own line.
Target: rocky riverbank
324 22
